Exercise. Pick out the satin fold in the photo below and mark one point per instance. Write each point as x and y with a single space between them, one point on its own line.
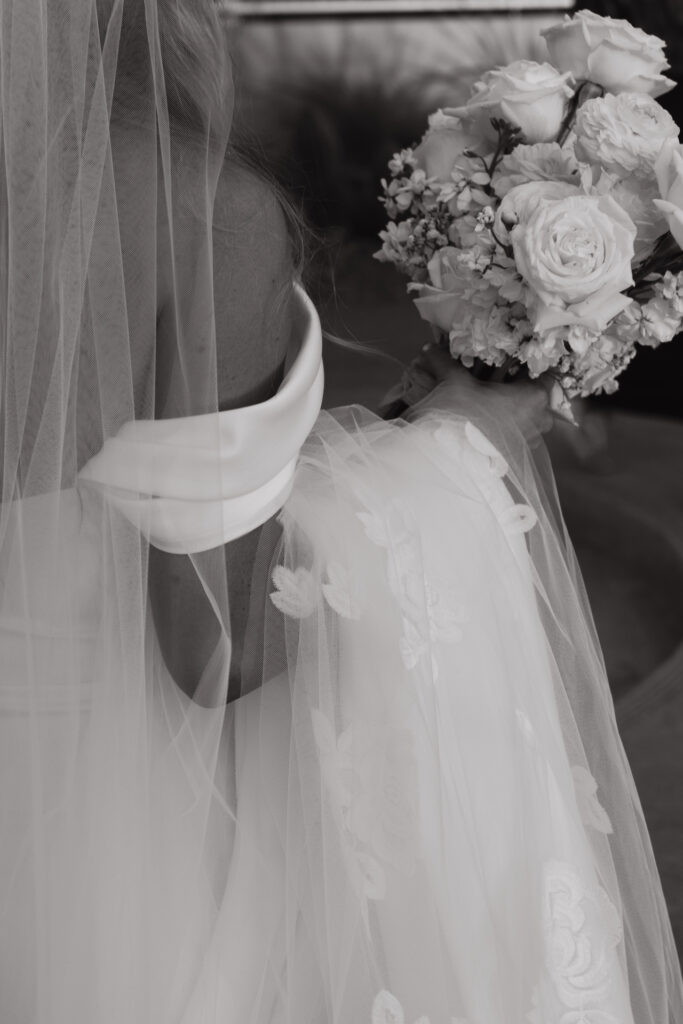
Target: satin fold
197 482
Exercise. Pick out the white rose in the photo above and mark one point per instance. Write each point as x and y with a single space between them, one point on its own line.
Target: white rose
575 254
609 51
624 132
521 201
669 169
441 148
530 96
545 161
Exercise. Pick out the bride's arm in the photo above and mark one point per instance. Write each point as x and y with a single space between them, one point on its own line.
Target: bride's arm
253 272
523 402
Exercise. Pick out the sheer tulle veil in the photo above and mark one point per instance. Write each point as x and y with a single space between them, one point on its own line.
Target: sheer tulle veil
418 808
115 116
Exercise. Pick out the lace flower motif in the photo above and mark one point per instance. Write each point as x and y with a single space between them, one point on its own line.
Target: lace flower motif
296 593
513 518
370 774
517 519
487 467
582 929
495 462
535 1016
338 592
386 1009
430 614
592 811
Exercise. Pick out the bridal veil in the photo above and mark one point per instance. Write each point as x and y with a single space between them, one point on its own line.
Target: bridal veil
114 122
402 795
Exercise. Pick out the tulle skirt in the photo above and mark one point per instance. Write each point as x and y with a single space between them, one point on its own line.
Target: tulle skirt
423 814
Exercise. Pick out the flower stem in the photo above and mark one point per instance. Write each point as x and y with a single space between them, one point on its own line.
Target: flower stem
584 91
508 137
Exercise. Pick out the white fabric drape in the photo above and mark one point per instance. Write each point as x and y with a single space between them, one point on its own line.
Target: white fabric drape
418 805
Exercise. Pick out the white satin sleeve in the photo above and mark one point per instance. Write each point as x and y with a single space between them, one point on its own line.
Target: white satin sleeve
197 482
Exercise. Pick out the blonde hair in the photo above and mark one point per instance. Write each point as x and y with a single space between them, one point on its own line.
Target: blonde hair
194 58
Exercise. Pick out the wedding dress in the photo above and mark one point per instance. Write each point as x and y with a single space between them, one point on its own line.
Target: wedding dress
403 822
418 808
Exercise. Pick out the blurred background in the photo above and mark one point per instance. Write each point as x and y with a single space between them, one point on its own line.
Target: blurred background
328 90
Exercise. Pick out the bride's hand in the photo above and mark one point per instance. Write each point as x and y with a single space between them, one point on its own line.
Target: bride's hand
525 401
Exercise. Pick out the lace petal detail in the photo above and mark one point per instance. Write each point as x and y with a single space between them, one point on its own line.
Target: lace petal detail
337 592
446 615
481 444
518 519
370 773
526 728
386 1009
588 1017
389 530
296 593
373 877
412 644
430 614
592 811
335 759
582 929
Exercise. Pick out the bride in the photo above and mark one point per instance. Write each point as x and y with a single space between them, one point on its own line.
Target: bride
303 718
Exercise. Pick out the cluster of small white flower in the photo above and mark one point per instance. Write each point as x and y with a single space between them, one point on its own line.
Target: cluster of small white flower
541 223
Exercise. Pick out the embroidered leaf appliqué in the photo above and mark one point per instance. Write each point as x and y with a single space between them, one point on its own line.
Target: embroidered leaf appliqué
592 811
386 1009
337 592
389 530
412 644
517 519
374 878
296 593
497 464
526 728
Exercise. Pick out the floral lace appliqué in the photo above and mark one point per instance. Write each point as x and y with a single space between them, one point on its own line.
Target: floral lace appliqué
592 811
386 1009
296 593
370 774
517 519
582 929
513 518
430 614
496 464
391 530
338 592
487 467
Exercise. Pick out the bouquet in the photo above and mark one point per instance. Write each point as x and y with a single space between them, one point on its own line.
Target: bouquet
541 224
